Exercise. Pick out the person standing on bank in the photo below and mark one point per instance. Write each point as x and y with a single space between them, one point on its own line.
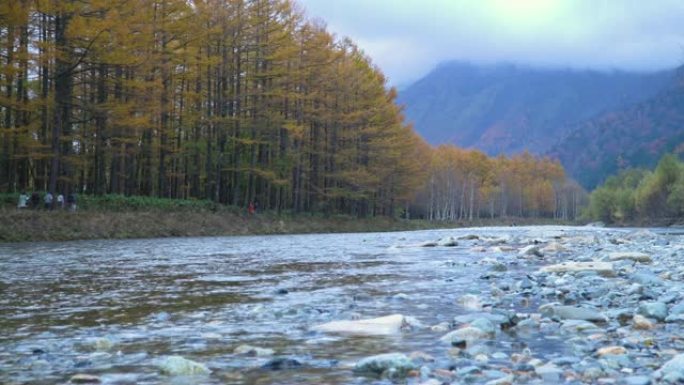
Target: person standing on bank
23 200
48 200
60 201
71 201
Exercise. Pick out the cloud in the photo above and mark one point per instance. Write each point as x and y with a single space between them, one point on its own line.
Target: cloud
406 38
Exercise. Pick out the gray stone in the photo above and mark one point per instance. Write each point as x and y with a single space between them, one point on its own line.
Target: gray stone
630 256
677 309
84 379
672 369
399 364
465 336
647 279
496 318
602 268
657 310
179 366
281 363
549 373
485 325
637 380
576 313
387 325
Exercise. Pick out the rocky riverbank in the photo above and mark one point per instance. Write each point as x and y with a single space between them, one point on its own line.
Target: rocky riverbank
615 300
60 225
535 305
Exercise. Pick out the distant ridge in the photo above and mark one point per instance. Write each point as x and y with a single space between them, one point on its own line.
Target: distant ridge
634 136
508 108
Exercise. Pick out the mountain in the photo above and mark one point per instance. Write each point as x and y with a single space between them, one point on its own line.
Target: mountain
634 136
508 108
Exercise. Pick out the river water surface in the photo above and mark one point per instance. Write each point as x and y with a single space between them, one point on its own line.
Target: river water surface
115 308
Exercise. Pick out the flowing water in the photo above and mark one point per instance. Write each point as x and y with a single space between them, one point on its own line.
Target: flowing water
115 308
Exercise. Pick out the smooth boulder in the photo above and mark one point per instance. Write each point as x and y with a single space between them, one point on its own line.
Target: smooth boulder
391 364
381 326
630 256
574 313
179 366
602 268
465 336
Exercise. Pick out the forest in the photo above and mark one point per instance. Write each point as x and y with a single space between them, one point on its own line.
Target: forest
233 101
639 195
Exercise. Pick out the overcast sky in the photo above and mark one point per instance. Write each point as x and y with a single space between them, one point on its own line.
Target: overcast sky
407 38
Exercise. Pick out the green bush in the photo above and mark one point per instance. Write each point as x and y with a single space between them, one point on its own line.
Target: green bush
639 194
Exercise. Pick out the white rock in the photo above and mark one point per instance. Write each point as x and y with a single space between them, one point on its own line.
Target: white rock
470 302
632 256
467 334
531 250
179 366
603 268
553 248
447 242
388 325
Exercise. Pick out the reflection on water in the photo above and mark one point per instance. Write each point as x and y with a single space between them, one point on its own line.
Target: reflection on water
112 308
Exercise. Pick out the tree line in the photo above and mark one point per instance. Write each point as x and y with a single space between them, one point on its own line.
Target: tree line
467 184
233 101
640 195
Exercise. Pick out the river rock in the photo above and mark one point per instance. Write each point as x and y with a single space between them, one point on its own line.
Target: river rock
602 268
465 336
657 310
253 351
100 344
84 379
611 350
470 302
673 370
573 313
642 323
637 380
179 366
281 363
531 250
427 244
447 242
394 365
550 373
631 256
553 248
580 326
388 325
485 325
498 318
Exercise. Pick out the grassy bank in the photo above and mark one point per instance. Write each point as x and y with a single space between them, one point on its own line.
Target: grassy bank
116 217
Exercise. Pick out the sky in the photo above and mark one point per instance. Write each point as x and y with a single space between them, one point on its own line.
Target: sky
407 38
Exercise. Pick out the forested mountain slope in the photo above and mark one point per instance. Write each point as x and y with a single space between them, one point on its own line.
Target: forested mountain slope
508 108
635 136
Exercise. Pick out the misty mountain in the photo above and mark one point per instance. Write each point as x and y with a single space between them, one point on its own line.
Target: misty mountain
634 136
509 108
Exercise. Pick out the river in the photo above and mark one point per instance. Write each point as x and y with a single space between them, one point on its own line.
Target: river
115 309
